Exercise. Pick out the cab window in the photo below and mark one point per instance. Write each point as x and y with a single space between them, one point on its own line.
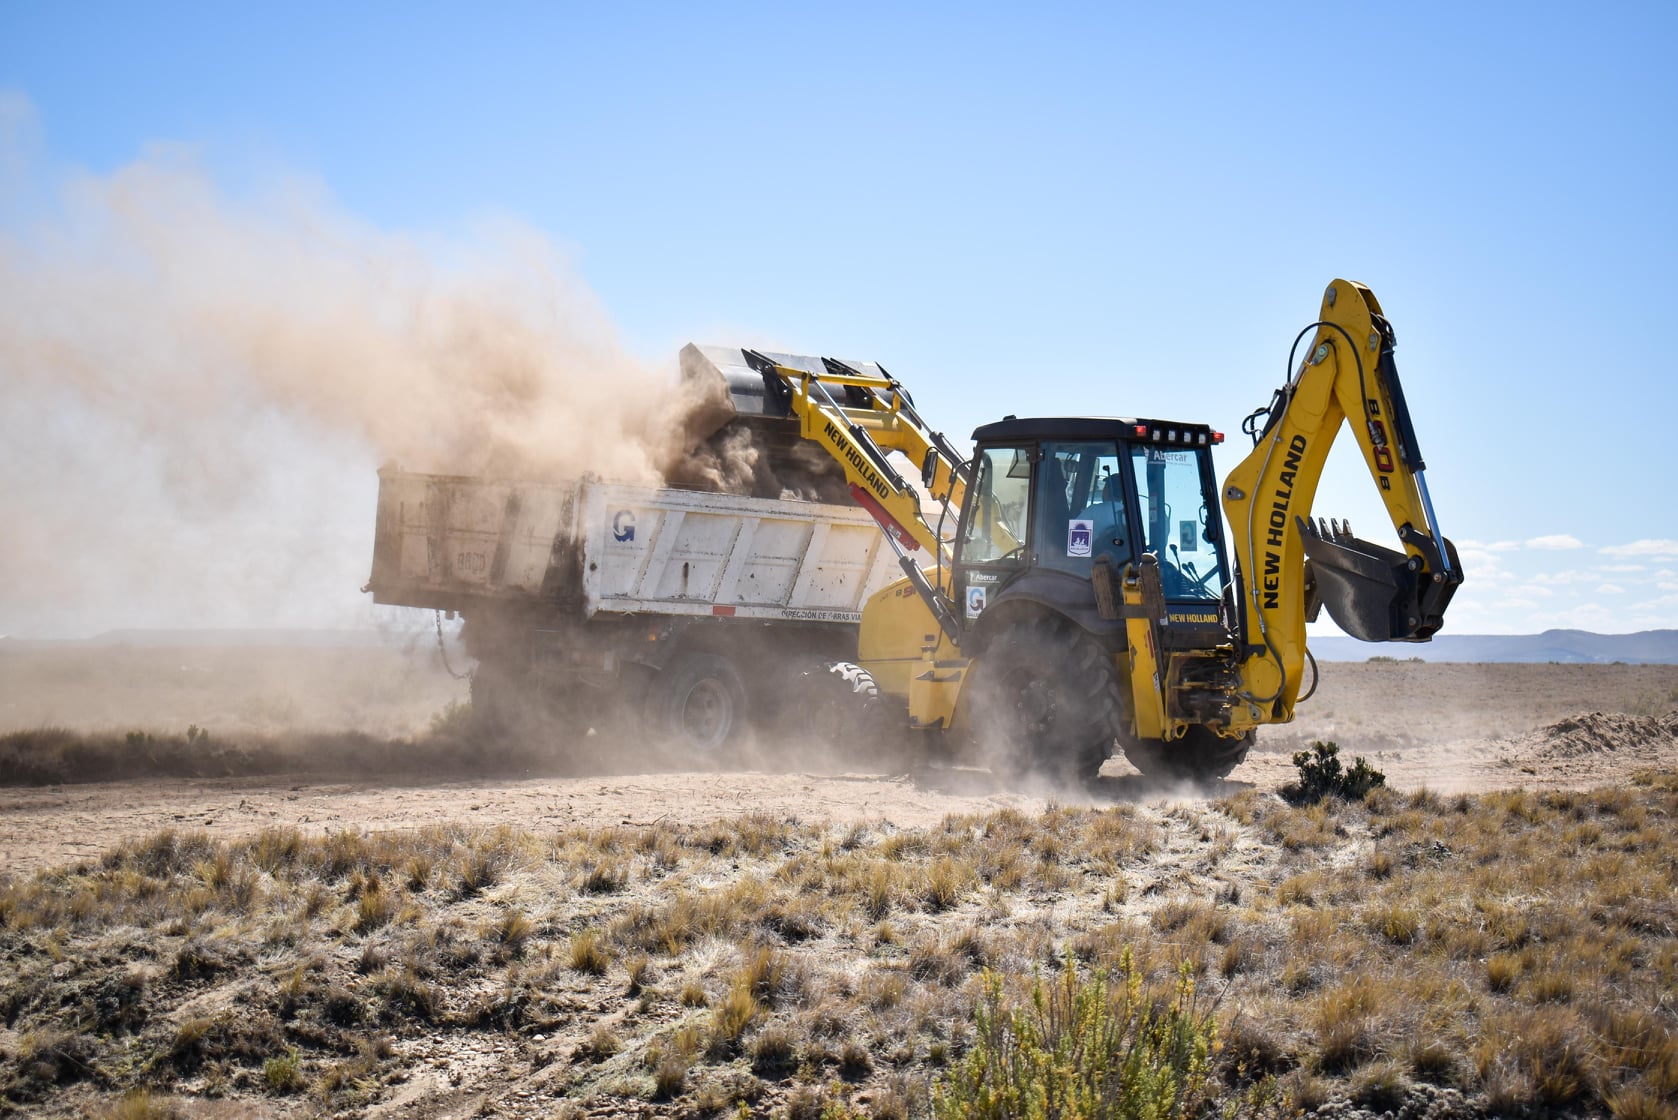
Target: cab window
1171 504
996 526
1080 507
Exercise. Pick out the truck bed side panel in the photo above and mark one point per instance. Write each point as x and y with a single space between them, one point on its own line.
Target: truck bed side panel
446 542
678 552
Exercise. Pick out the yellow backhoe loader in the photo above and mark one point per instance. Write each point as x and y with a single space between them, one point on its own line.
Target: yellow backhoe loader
1069 585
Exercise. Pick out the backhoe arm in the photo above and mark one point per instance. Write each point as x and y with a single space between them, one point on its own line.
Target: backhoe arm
1372 592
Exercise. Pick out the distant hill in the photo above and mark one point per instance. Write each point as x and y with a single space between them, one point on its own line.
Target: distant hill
1650 647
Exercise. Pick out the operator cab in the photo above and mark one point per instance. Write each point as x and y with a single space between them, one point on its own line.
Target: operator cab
1050 497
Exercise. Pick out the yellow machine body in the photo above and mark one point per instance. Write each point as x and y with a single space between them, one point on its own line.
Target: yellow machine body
1194 677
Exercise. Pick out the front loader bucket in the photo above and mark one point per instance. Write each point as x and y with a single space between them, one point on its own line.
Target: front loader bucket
730 389
1377 594
724 398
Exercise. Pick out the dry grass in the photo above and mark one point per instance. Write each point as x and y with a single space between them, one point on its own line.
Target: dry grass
588 953
1519 948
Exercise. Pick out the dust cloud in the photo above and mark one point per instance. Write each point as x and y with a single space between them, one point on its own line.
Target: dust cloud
196 387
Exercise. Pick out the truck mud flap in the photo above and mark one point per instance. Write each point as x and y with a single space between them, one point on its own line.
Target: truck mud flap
1377 594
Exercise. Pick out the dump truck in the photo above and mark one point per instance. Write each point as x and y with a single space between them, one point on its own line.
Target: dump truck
688 614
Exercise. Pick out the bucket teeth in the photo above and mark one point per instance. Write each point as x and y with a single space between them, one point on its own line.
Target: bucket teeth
1370 591
1330 529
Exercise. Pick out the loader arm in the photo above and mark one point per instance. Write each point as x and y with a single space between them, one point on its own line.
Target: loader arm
875 419
1286 564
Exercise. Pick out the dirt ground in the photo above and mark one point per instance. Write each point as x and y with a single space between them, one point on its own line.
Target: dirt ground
1450 728
449 984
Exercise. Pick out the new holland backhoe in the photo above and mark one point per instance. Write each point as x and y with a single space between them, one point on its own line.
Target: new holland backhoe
1069 584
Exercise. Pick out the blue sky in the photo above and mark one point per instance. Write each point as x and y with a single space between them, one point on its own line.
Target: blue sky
1103 209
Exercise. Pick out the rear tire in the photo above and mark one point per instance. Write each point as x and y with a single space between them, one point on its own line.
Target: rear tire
1045 699
1201 755
698 705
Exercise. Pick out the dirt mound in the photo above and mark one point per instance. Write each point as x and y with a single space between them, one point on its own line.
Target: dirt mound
1598 733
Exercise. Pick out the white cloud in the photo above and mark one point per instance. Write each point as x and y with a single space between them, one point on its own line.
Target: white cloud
1586 616
1665 549
1533 585
1564 577
1484 561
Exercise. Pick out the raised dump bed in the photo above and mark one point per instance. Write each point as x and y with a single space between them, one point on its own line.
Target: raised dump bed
695 610
450 543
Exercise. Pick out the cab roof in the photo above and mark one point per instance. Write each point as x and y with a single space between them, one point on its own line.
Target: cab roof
1012 429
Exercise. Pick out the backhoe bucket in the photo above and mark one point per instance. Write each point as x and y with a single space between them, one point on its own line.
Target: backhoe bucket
1378 594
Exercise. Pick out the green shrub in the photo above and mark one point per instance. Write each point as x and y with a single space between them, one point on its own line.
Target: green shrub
1321 776
283 1074
1082 1048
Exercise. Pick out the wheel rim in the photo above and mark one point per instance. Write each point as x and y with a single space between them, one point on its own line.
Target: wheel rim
707 714
1034 704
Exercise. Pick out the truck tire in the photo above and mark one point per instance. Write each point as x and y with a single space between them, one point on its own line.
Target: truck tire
1201 755
698 705
1044 699
844 713
498 704
513 705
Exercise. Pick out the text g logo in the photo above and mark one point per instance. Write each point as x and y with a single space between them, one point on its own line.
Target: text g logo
623 526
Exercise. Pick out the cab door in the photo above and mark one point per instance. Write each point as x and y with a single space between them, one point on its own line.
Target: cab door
1038 515
1081 503
995 527
1180 525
